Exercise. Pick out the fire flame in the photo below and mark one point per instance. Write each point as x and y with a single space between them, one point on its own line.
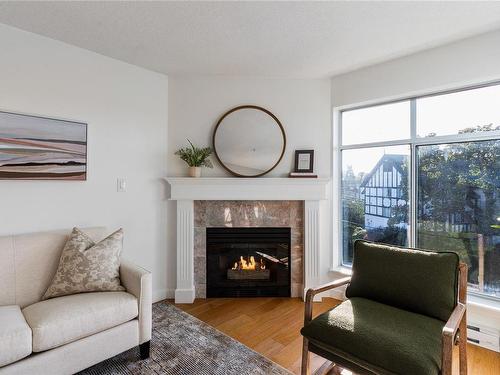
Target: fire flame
250 264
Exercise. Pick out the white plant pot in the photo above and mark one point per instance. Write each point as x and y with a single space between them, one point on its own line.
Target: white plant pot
194 171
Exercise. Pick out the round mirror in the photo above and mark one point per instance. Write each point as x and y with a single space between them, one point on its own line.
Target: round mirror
249 141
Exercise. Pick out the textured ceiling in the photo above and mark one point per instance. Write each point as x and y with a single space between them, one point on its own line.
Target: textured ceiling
281 39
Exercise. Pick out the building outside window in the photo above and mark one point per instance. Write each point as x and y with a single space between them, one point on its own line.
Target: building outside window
425 172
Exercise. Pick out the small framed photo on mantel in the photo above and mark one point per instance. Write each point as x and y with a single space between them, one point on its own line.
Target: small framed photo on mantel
304 164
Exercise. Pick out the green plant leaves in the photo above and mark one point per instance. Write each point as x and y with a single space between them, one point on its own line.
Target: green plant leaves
195 156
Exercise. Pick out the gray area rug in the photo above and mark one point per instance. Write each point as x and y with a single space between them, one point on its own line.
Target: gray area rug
182 344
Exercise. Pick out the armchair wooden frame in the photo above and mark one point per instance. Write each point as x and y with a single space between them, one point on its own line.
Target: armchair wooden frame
454 332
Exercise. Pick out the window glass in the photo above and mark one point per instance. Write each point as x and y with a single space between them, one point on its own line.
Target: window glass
457 187
373 124
360 221
459 207
469 111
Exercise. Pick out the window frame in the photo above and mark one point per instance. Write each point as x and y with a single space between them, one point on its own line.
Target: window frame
413 142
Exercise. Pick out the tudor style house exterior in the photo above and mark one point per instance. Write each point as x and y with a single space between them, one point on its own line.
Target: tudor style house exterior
383 189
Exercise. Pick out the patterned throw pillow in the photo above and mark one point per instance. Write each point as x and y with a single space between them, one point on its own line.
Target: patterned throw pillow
86 266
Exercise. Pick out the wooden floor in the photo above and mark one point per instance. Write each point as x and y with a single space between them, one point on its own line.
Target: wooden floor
271 327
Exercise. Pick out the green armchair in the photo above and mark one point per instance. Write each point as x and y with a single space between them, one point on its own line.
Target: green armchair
405 310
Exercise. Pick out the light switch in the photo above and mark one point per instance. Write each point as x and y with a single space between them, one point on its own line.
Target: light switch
121 185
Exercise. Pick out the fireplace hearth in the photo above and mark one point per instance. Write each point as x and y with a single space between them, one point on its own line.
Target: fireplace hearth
248 262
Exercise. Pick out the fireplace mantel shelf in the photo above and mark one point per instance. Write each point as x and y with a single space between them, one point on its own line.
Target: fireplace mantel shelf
230 188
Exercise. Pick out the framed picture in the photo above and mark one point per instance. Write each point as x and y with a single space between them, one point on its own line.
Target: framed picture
304 161
40 148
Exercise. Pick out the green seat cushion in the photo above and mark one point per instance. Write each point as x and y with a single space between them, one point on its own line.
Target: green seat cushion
425 282
386 337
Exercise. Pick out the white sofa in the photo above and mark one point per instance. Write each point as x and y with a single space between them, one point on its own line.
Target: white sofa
66 334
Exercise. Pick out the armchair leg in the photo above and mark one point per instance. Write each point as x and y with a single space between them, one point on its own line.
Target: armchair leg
304 370
447 355
144 349
462 346
328 368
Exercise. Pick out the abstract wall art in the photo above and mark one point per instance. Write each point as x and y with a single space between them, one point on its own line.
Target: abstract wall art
39 148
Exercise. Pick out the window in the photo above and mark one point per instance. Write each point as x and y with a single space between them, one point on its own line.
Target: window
425 172
363 123
366 218
459 112
459 206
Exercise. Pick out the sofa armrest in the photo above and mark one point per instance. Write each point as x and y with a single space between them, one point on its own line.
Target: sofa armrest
138 281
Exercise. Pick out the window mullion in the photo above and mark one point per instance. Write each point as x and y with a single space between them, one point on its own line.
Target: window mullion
412 222
337 259
397 142
413 120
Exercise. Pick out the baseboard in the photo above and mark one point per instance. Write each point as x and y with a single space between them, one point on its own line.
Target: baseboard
161 294
171 293
184 295
337 294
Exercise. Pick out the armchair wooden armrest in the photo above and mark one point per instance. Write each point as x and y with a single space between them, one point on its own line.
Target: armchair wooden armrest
455 330
319 289
454 333
452 325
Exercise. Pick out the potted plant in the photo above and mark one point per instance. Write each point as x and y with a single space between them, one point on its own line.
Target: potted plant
196 158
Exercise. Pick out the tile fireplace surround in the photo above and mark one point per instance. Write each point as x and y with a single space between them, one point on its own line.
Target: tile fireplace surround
238 202
248 214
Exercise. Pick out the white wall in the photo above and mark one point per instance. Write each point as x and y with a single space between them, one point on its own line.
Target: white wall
467 62
126 111
302 106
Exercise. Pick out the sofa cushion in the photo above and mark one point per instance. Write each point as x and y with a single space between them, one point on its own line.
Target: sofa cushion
421 281
386 337
15 335
85 266
61 320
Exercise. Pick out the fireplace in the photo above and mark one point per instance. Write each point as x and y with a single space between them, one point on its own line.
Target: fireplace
248 262
201 203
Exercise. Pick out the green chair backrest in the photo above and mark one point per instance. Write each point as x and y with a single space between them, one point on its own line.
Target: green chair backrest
424 282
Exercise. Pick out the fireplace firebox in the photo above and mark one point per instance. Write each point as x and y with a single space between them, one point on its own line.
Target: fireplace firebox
248 262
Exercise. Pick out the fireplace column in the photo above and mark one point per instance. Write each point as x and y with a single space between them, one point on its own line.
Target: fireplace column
312 245
184 292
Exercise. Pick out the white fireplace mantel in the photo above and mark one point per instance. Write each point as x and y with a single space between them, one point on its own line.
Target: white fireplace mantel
227 188
186 190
